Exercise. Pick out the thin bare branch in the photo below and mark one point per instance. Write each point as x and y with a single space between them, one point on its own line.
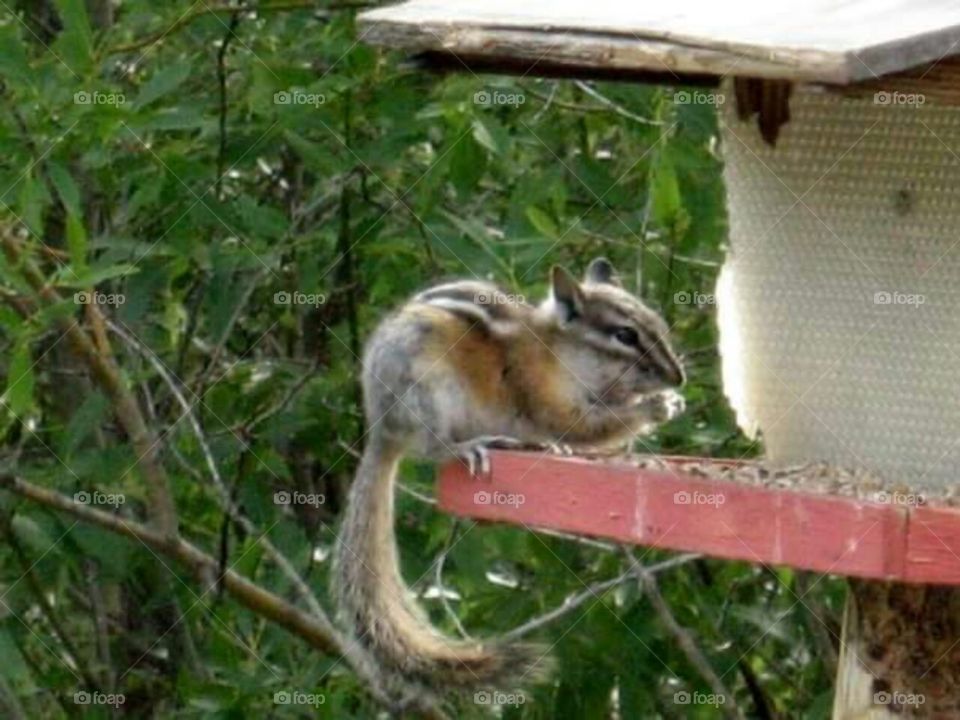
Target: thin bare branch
316 631
572 602
614 106
160 506
682 636
312 629
438 581
226 500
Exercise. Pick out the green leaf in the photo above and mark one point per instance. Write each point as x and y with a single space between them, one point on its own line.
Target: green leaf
13 667
83 422
113 556
162 83
93 276
18 395
483 135
469 227
542 222
33 535
145 196
174 118
31 201
10 321
74 45
77 243
261 220
317 157
13 57
664 189
468 162
66 187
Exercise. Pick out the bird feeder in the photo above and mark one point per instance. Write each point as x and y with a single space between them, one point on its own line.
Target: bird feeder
838 304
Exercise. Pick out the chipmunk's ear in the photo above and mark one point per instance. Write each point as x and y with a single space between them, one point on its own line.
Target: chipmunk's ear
601 272
567 293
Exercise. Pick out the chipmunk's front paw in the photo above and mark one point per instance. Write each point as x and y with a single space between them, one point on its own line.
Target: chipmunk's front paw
662 406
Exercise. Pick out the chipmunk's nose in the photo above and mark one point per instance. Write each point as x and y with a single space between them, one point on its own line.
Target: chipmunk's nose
672 372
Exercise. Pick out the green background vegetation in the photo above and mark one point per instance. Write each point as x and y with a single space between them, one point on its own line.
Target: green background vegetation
198 197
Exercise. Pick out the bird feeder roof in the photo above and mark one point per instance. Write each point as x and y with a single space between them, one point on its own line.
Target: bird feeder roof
806 40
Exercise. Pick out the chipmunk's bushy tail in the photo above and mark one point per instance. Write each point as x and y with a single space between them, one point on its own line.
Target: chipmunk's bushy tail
404 650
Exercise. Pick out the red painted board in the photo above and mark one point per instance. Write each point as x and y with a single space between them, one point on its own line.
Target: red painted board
933 546
673 510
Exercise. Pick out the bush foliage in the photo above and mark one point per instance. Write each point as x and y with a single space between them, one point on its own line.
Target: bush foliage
242 194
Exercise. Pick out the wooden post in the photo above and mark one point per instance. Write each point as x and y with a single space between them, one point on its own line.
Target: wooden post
901 652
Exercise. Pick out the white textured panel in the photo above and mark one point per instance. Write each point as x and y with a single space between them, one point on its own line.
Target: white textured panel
856 199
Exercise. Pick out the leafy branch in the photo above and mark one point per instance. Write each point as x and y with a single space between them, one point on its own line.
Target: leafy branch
227 9
162 535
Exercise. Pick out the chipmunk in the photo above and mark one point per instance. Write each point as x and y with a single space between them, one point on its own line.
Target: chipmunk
459 368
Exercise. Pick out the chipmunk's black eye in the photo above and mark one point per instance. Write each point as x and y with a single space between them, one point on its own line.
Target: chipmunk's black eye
626 336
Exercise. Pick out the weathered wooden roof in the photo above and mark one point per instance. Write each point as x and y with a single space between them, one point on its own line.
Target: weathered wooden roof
831 41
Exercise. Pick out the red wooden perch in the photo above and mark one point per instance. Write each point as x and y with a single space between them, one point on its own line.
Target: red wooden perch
675 509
